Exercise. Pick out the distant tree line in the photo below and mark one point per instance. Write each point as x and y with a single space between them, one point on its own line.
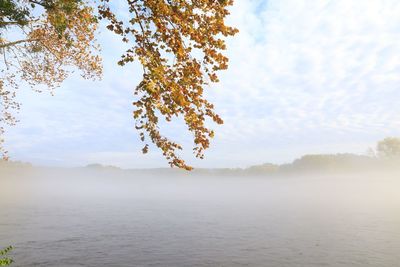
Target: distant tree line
385 154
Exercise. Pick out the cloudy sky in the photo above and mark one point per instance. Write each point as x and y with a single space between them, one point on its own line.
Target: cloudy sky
305 76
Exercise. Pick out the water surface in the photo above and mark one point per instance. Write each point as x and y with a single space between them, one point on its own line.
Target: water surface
119 220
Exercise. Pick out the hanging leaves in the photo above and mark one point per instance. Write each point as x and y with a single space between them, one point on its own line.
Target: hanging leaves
179 44
56 36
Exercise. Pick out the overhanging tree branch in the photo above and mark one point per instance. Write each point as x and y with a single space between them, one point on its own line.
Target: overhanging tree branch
17 23
5 45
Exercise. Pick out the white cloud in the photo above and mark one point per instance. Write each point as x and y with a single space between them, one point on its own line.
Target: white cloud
305 76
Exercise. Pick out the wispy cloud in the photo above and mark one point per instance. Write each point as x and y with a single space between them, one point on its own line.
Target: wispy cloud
304 76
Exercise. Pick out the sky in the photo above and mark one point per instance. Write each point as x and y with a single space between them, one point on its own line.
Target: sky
305 77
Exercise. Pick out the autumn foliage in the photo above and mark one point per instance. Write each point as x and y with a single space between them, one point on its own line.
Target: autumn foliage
53 37
179 43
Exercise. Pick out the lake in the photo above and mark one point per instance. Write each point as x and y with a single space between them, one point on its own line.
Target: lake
89 219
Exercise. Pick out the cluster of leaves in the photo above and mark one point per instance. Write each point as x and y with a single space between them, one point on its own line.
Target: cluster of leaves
179 44
49 44
4 260
11 12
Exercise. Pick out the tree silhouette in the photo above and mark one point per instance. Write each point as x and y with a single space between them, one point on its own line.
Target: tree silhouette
389 147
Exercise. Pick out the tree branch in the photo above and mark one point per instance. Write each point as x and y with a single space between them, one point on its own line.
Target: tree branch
18 23
40 3
5 45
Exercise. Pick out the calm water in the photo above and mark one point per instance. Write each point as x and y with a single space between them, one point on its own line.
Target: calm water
120 221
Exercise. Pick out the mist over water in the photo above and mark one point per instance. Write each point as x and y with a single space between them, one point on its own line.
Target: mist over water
116 218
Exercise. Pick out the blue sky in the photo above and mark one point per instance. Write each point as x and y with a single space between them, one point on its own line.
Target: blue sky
305 77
